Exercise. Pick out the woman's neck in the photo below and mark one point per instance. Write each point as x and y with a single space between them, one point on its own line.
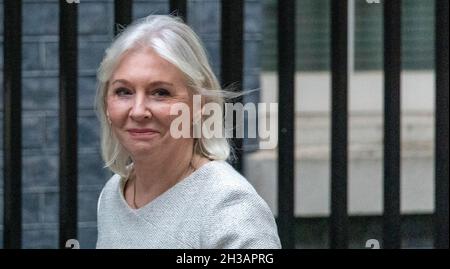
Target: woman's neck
156 174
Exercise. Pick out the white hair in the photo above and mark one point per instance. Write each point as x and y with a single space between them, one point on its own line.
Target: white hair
177 43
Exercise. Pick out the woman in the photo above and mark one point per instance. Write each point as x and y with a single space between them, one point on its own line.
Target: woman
168 192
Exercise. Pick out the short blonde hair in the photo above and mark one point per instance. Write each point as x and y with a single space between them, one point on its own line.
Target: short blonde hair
177 43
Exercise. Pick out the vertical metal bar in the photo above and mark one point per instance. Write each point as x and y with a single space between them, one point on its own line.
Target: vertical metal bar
12 130
392 69
441 132
178 8
339 125
286 119
68 49
123 13
232 52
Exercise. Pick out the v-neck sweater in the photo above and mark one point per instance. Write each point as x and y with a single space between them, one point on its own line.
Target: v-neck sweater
214 207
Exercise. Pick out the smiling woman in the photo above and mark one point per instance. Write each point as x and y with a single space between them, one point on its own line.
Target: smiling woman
169 192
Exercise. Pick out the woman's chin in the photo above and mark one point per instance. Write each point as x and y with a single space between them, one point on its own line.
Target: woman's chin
141 150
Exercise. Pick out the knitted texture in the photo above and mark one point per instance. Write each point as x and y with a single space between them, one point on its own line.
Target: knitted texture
214 207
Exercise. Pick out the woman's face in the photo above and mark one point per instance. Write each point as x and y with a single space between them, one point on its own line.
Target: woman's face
140 93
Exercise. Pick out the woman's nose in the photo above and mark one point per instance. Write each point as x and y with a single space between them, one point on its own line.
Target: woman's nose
140 110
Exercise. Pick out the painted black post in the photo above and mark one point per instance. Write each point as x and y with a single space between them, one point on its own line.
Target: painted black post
178 8
286 119
392 69
232 64
339 124
12 124
123 13
441 133
68 154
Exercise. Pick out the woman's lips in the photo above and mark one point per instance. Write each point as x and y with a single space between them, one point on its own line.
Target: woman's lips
142 132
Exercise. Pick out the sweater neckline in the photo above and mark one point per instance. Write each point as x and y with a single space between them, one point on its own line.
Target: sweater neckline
180 183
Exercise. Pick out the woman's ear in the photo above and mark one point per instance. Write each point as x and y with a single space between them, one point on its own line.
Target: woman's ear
107 117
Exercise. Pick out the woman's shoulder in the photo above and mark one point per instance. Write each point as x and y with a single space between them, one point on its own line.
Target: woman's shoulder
108 191
221 175
227 186
235 215
112 183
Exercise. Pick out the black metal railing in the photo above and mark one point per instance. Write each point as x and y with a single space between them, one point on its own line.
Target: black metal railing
339 125
232 63
178 8
286 117
68 138
392 69
232 72
441 129
123 14
12 122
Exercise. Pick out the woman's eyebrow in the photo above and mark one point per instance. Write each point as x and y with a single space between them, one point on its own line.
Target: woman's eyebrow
156 83
124 81
151 84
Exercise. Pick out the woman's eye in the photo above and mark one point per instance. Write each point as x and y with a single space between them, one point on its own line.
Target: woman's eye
122 92
161 92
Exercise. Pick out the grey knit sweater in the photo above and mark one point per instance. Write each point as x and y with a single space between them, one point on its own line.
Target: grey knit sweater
214 207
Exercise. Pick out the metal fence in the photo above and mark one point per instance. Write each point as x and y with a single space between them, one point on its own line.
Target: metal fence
231 72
